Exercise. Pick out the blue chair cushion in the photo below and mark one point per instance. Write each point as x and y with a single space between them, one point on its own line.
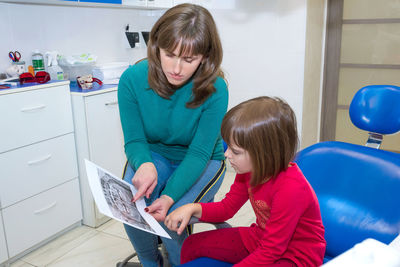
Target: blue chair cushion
358 189
203 262
376 108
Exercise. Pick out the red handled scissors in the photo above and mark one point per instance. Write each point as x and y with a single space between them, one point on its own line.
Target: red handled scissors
15 56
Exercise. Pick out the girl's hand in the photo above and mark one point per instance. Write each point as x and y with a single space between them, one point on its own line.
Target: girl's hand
159 208
144 180
179 218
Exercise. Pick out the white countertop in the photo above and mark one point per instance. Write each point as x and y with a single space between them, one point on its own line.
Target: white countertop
73 88
31 86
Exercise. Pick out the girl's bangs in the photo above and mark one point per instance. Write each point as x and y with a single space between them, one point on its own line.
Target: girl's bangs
233 135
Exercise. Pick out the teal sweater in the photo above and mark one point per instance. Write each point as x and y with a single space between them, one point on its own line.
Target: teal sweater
190 136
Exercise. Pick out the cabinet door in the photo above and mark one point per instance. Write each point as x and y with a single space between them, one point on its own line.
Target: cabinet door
3 247
159 3
178 2
135 2
103 1
106 142
97 1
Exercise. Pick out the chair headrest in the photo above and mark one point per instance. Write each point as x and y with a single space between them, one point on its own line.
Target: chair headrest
376 108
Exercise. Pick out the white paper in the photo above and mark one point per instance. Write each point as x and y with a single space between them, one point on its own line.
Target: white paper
113 198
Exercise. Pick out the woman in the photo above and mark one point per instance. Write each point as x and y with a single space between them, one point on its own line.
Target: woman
171 107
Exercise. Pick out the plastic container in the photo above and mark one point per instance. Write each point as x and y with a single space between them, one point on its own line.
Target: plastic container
37 61
77 65
110 72
72 71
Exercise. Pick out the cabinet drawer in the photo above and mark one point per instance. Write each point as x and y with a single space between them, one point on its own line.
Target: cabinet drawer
32 169
3 246
40 217
32 116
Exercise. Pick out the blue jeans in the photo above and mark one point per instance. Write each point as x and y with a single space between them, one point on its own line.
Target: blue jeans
146 244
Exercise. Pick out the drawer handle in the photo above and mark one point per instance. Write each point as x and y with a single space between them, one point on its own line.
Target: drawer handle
111 103
33 162
45 208
33 108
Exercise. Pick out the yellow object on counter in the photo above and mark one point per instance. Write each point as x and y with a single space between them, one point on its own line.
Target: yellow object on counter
31 70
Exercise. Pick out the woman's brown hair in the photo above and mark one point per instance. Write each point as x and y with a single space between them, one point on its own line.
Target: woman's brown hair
266 128
193 28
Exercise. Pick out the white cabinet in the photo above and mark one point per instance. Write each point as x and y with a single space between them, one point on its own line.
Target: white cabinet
210 4
149 3
38 166
3 245
99 138
138 3
160 3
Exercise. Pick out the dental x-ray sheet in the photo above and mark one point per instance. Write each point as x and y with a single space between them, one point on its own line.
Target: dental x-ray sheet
113 198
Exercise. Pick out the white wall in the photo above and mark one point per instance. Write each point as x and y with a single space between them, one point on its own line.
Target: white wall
71 30
263 41
264 48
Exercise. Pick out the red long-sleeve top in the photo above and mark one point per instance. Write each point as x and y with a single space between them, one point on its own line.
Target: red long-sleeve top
288 219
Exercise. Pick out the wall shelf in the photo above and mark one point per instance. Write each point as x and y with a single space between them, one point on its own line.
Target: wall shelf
80 4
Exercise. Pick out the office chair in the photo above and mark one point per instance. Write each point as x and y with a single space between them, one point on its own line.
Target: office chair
358 187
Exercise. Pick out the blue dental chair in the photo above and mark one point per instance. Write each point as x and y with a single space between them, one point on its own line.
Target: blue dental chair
358 187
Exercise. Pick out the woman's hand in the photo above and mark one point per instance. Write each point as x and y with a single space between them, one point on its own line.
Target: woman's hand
144 180
179 218
159 208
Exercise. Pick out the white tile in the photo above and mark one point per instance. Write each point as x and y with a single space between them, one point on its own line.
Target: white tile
105 225
20 264
60 246
114 227
102 250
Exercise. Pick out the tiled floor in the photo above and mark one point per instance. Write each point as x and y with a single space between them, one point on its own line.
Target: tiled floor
107 244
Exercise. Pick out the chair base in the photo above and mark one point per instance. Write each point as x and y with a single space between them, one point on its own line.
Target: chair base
126 263
129 264
161 248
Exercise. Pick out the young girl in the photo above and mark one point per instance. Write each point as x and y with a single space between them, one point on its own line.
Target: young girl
262 140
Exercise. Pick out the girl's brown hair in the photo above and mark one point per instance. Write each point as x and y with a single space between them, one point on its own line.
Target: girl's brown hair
266 128
193 28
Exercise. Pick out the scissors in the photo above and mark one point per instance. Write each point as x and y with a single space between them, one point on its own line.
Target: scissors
15 56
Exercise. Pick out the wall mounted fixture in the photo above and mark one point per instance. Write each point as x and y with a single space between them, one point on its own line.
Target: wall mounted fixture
133 37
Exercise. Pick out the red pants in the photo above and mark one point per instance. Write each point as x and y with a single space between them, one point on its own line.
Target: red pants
222 244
